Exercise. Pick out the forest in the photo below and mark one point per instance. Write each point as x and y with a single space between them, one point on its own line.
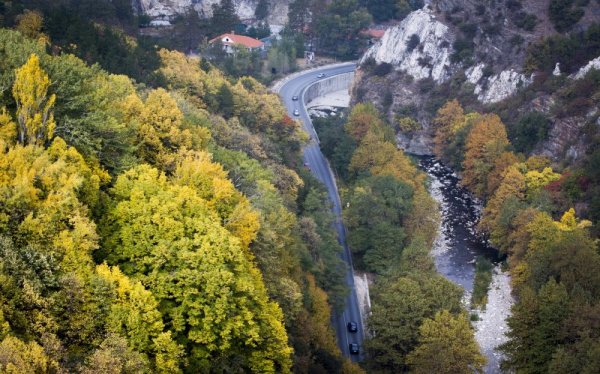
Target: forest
163 229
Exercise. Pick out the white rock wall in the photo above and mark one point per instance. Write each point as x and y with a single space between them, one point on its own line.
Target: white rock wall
500 86
594 64
167 9
430 59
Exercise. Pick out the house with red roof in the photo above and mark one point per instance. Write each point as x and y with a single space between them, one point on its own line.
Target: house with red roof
230 41
373 35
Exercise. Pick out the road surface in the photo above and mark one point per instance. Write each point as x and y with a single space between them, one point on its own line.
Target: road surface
320 168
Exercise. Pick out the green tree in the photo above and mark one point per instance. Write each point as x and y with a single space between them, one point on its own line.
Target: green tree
262 9
377 209
446 345
535 326
223 18
564 14
342 21
399 307
299 15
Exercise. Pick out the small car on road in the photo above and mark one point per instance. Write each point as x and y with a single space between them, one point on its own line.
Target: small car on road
353 348
295 98
296 112
352 326
321 75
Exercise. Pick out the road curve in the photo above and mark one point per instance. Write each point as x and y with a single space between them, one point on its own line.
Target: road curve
319 166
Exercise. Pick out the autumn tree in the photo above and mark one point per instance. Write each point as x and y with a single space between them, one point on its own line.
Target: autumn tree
365 118
30 24
34 106
199 273
447 120
160 134
17 356
210 182
446 345
494 179
512 185
485 143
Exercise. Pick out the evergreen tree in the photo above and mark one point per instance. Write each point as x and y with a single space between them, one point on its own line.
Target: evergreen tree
262 10
224 19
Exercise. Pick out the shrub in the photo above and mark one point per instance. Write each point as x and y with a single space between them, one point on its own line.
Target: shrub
483 278
525 21
463 51
369 65
382 69
563 15
413 42
516 40
531 128
513 5
469 29
388 100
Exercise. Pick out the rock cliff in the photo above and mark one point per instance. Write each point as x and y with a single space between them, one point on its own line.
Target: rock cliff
165 10
420 46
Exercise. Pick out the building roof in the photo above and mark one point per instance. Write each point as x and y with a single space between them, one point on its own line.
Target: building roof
374 33
235 39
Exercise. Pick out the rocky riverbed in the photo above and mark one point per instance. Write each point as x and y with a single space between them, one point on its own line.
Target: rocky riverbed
456 249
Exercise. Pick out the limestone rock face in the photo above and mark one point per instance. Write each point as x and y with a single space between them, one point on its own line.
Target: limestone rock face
594 64
430 58
500 86
168 9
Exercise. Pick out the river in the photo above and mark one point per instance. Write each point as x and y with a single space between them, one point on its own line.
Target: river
456 249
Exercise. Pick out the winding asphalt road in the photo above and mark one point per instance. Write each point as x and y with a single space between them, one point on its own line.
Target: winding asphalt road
319 166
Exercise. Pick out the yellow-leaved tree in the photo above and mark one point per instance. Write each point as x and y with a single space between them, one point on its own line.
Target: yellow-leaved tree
486 142
34 107
447 121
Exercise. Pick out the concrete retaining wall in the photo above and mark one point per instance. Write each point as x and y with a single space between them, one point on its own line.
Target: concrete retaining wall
327 86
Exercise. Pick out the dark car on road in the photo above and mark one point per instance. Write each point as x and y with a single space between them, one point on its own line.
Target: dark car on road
295 98
352 326
353 347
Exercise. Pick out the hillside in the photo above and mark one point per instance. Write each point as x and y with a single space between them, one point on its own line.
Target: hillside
156 229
